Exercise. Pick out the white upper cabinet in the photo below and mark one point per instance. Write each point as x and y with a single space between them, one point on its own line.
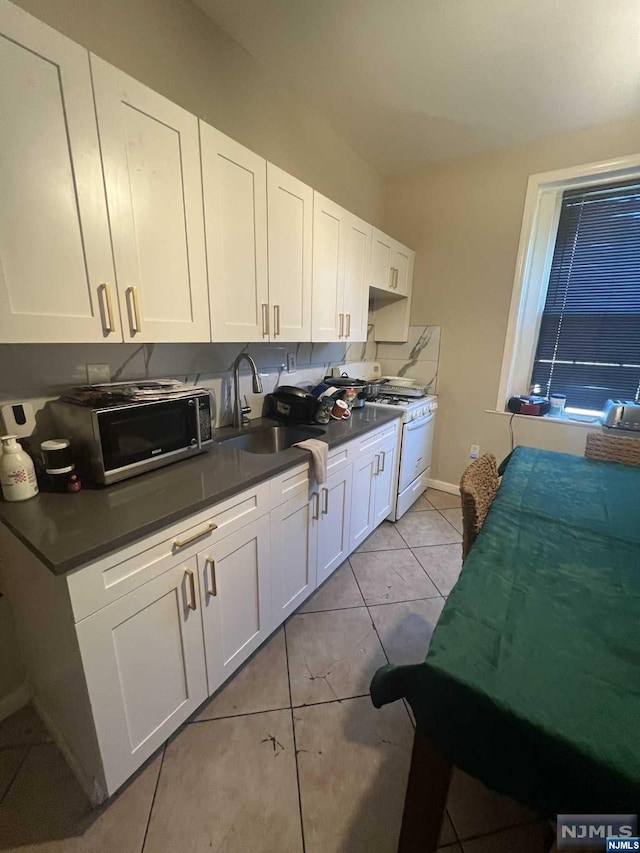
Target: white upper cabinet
151 162
341 254
391 265
235 206
56 269
329 222
356 285
402 263
290 233
381 260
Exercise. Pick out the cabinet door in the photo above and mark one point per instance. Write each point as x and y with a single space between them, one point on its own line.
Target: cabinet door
382 253
403 259
294 536
56 268
356 278
363 498
236 606
151 163
234 181
386 479
335 523
327 314
290 231
144 664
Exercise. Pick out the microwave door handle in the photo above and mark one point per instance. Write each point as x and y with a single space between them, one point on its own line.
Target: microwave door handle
198 433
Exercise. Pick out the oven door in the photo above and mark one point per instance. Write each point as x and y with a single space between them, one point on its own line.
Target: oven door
417 444
134 434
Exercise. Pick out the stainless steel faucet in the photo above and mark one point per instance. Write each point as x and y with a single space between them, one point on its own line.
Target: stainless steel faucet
240 412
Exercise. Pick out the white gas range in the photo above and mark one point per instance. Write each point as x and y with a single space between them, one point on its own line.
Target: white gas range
418 416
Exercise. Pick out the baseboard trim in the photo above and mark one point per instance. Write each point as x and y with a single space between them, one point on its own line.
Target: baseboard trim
441 486
14 701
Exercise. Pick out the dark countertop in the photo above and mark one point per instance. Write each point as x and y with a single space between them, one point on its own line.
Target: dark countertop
67 530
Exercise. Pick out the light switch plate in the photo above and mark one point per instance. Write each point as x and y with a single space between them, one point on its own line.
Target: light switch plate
291 362
97 373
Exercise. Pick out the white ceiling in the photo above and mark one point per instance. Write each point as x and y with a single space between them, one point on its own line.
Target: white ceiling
407 82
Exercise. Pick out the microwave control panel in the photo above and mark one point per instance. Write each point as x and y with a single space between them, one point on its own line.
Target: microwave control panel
204 415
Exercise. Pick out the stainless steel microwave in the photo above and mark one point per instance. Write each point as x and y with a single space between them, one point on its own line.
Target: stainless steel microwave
120 441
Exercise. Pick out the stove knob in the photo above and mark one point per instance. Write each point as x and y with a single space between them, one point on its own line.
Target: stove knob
414 415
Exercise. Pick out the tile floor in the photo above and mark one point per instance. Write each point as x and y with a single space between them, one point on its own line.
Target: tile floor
289 755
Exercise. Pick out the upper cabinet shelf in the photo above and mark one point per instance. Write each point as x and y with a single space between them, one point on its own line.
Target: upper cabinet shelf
125 218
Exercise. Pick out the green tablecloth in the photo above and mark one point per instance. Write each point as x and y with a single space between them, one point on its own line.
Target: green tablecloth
532 681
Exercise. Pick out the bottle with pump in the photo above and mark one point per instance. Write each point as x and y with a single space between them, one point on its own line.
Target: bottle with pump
17 474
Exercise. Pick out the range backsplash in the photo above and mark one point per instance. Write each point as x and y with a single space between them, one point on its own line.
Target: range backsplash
40 372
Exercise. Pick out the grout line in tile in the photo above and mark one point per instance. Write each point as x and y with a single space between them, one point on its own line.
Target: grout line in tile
15 775
407 600
442 595
326 610
295 745
153 799
332 701
235 716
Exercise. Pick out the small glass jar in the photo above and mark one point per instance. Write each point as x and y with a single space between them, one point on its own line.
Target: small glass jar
557 402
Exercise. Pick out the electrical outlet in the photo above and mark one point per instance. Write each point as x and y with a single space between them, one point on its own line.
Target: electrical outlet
475 451
98 373
291 362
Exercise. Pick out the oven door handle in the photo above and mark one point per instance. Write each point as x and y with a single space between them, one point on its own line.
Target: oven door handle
418 424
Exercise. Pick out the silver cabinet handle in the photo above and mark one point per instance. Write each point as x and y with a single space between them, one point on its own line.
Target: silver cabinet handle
348 335
276 320
316 511
192 603
383 453
182 543
107 307
377 460
265 319
213 589
391 274
396 278
134 309
325 509
341 316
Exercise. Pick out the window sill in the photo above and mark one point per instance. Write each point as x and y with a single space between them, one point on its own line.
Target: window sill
566 420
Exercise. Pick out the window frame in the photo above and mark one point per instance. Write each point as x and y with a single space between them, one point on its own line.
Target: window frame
533 265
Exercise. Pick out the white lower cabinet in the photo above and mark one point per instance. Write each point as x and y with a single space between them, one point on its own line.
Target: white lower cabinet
144 666
235 587
374 484
334 523
385 480
294 537
138 665
363 498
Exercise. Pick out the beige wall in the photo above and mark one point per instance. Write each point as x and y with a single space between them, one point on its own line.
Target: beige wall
172 46
463 217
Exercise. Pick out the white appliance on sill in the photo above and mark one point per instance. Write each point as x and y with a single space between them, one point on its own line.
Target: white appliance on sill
418 420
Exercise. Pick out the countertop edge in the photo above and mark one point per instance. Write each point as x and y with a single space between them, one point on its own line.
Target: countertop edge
63 567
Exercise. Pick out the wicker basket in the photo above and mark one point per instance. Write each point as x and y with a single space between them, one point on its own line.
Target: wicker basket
613 448
478 486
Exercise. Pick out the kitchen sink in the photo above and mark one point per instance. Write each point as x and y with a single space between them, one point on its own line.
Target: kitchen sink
271 439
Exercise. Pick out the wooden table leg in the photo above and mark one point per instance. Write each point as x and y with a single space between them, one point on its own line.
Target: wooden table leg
425 800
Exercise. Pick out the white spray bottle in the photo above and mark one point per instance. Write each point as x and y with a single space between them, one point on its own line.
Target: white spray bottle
17 474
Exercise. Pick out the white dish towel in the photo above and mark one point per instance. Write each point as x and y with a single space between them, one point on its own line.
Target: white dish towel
319 451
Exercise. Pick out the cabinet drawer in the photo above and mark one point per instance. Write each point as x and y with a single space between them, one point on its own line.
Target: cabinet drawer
94 586
290 484
372 439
